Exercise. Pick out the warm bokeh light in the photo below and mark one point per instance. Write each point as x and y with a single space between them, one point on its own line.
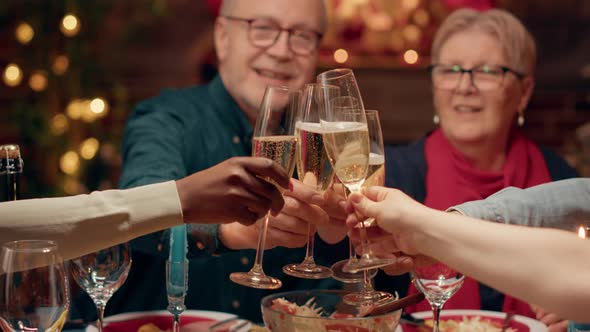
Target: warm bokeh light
60 64
411 57
412 33
410 4
13 75
582 232
70 25
421 17
73 186
59 124
69 163
75 109
24 33
340 55
99 106
89 148
38 80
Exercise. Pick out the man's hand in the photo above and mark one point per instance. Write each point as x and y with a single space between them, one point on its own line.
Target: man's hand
233 190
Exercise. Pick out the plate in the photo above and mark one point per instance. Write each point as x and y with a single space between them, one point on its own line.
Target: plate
199 321
518 322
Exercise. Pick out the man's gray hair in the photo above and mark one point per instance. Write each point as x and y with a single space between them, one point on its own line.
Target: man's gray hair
227 8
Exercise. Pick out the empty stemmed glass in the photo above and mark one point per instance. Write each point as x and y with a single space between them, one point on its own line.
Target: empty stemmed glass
100 274
274 139
439 283
34 290
313 166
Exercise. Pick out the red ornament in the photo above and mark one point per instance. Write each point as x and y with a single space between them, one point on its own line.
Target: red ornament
213 6
481 5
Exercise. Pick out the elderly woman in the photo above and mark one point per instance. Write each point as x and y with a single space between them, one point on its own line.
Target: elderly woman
482 79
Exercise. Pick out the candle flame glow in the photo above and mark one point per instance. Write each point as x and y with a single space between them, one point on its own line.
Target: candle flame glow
582 232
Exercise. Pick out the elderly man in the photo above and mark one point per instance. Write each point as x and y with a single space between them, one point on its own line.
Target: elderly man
258 43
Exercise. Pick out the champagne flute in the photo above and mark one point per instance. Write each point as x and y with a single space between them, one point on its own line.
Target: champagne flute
34 290
375 177
274 139
100 274
313 166
349 101
439 283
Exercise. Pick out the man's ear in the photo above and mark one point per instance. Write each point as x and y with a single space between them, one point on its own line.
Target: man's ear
220 38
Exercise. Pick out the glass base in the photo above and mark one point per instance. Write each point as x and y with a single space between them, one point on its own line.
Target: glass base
367 263
255 280
367 298
349 278
307 271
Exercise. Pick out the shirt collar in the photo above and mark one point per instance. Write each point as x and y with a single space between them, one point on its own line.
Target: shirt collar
230 110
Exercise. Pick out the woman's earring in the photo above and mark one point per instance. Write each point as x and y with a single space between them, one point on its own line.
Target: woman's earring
520 119
436 119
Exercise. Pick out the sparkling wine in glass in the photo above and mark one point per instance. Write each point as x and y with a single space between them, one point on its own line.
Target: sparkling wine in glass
375 177
274 138
439 283
349 101
34 290
100 274
313 166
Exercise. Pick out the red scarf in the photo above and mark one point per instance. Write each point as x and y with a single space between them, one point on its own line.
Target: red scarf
452 180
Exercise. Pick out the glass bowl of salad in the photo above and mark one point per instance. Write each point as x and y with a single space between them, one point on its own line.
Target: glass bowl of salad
320 310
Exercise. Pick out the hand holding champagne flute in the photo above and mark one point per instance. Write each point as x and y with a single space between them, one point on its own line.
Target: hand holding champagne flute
274 139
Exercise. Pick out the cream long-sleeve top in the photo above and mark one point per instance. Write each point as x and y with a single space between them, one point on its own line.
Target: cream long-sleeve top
86 223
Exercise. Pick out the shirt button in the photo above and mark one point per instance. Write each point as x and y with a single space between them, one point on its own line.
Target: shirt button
236 140
245 261
235 304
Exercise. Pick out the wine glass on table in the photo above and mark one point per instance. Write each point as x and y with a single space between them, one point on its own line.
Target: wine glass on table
100 274
274 138
349 101
313 166
375 177
439 283
34 290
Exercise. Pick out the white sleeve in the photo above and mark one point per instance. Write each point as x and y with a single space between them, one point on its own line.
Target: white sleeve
86 223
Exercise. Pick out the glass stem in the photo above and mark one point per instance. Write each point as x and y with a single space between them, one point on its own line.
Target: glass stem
257 268
100 311
435 316
176 324
309 260
367 283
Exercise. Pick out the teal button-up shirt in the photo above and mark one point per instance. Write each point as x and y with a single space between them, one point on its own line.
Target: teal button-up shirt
171 136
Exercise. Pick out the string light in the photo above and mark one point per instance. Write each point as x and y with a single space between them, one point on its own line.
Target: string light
59 124
89 147
75 109
411 57
60 65
412 33
24 33
340 55
38 80
13 75
73 186
421 17
69 163
70 25
99 106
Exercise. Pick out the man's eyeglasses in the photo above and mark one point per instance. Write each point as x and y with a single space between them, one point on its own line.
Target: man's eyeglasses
265 33
484 78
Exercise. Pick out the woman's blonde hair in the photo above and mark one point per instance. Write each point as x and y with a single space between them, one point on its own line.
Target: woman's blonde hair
517 43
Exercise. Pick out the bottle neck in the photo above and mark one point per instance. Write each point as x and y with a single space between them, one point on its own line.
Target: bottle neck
11 166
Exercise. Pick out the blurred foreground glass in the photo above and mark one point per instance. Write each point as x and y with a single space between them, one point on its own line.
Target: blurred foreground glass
34 291
313 166
274 138
439 283
100 274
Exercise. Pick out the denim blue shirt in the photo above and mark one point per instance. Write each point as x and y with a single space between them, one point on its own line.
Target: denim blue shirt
561 204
